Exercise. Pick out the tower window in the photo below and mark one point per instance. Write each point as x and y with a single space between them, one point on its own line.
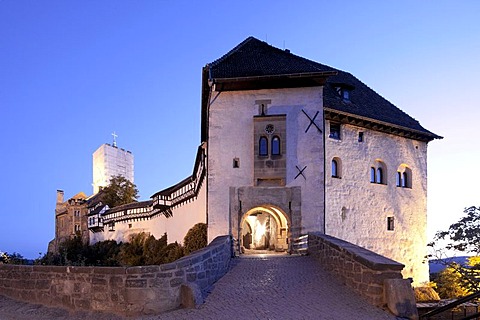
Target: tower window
404 180
336 168
372 175
335 131
404 177
379 176
263 146
236 163
360 137
390 223
276 146
378 173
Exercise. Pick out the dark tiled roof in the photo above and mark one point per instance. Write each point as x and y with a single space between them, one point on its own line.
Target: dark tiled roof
132 205
255 58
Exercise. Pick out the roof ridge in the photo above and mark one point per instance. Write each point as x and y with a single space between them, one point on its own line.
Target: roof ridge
235 49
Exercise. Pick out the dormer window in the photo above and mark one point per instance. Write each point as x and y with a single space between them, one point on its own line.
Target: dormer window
346 94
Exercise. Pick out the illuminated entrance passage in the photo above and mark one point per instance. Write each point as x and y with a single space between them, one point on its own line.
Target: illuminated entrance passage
264 228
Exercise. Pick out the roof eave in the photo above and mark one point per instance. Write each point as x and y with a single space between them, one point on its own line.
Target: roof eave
293 80
369 123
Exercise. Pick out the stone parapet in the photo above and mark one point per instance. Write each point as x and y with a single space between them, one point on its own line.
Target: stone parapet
125 291
360 269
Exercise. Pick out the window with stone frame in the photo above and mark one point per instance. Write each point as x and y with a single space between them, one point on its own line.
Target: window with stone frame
390 224
275 146
336 168
334 131
263 146
378 173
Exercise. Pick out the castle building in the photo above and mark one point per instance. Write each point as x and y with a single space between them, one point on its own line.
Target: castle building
109 161
70 219
291 146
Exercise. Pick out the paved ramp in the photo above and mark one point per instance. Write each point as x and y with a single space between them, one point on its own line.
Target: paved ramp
280 287
257 287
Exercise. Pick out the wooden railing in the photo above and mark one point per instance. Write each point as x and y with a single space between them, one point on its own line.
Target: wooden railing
454 304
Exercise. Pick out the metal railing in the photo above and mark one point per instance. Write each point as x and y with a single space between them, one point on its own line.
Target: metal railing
455 304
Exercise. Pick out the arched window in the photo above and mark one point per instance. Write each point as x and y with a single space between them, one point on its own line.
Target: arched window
404 176
378 172
379 176
334 168
263 146
275 146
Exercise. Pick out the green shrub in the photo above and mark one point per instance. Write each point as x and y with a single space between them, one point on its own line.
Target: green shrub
195 239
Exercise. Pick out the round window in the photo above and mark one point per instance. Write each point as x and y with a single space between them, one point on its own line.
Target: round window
269 128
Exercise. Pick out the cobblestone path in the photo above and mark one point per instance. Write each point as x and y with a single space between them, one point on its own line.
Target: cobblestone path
257 287
280 287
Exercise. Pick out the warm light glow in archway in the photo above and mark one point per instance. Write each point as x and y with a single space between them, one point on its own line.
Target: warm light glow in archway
264 227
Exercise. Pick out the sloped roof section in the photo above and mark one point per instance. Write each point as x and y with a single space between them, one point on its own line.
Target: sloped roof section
255 58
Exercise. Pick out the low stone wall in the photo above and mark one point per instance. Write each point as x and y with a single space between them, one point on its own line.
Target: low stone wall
360 269
124 291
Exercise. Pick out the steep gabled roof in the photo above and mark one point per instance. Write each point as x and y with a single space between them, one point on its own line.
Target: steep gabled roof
255 59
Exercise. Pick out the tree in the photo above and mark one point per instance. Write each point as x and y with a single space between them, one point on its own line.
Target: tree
450 282
120 191
12 258
195 239
464 235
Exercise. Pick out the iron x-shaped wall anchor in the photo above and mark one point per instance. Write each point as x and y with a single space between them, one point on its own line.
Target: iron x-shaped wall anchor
312 121
300 172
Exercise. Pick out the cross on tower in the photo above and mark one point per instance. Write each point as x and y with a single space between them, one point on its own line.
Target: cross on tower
114 138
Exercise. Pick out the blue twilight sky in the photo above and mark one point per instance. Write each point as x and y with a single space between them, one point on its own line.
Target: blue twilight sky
72 72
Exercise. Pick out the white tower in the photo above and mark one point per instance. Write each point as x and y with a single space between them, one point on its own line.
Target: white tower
109 161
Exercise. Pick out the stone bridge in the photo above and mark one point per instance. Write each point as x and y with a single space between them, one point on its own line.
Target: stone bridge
336 281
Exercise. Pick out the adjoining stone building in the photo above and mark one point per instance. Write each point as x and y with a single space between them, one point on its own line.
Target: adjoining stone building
291 146
70 219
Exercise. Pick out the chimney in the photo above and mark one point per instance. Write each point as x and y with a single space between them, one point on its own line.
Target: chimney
59 196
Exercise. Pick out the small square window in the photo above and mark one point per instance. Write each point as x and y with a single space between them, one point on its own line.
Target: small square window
335 131
390 223
236 163
360 137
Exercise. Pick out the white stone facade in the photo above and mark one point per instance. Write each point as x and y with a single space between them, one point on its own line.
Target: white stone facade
357 210
231 135
109 161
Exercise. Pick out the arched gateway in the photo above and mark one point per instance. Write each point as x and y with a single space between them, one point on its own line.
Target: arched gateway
265 218
265 227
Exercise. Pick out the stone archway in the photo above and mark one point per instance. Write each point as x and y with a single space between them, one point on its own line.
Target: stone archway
265 227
